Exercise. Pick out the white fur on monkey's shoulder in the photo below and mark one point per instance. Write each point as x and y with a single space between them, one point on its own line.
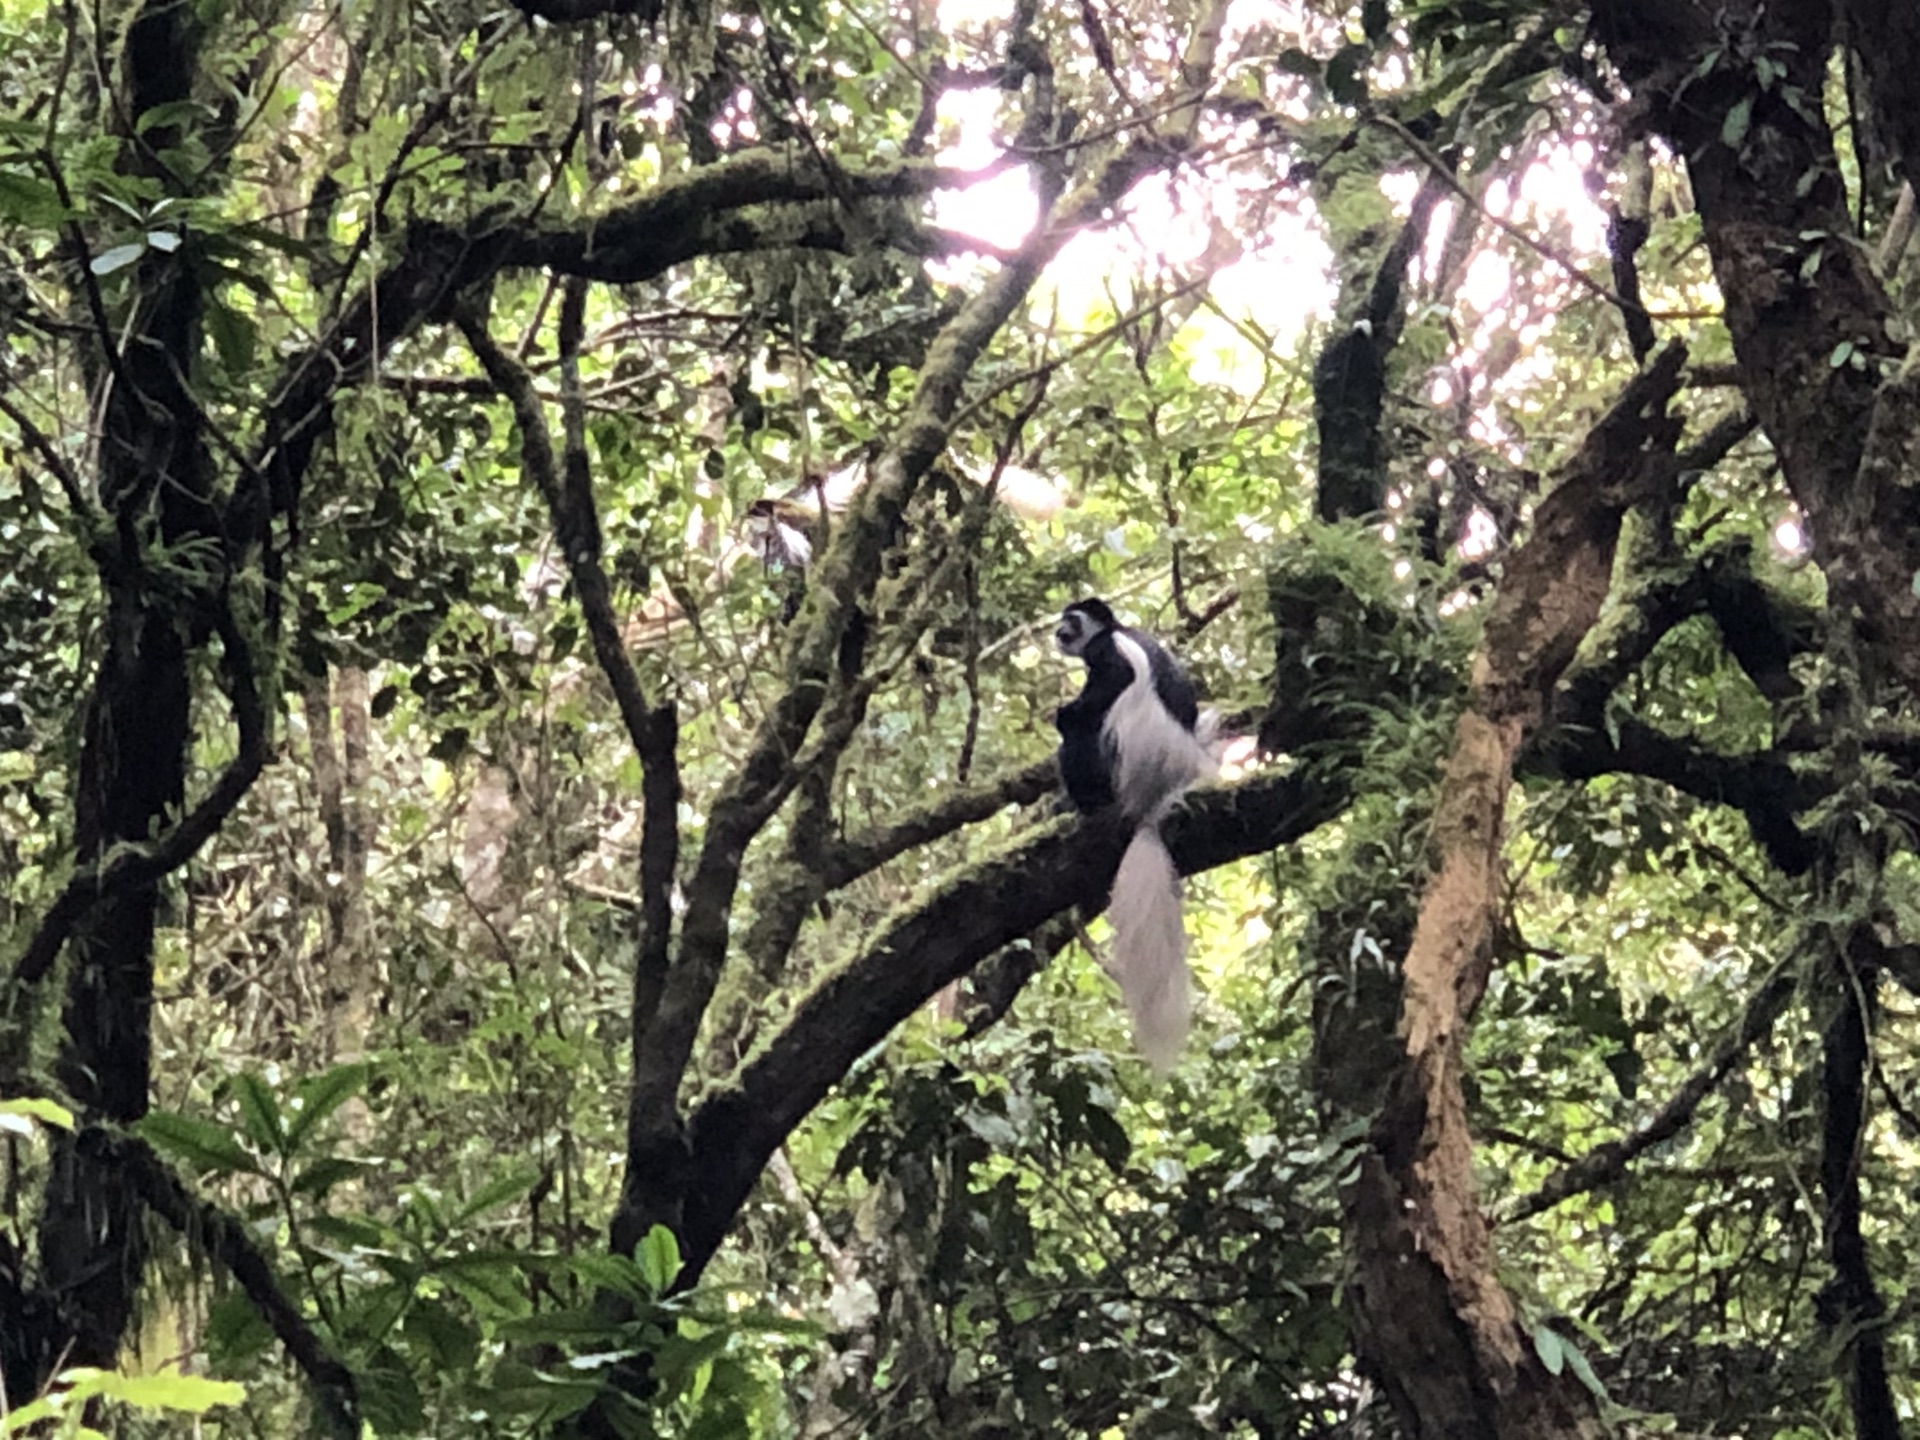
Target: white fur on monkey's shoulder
1156 758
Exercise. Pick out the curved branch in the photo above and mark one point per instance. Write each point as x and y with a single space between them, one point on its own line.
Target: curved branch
1762 631
37 439
129 867
1606 1163
567 486
863 854
698 213
981 910
1760 785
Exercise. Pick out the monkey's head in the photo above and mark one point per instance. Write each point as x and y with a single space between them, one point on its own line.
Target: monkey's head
1081 623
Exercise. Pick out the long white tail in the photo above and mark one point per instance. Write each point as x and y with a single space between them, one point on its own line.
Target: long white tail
1150 948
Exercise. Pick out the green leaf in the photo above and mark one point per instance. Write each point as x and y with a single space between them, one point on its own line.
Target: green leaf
491 1278
291 246
234 337
1583 1371
561 1327
47 1112
659 1257
170 1390
118 258
680 1356
173 112
498 1192
610 1272
325 1173
200 1143
235 1333
389 1397
23 1420
28 200
1739 120
521 1391
259 1112
1551 1349
356 1233
320 1096
449 1341
166 241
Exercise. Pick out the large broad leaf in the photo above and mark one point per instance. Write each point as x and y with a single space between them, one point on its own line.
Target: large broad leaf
235 337
260 1112
29 200
659 1257
497 1192
322 1095
170 1390
200 1143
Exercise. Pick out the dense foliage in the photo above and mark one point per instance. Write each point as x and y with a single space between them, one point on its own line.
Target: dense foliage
534 896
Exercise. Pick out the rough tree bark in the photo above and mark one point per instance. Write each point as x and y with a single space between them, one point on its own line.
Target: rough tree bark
1440 1330
155 487
1830 379
1817 362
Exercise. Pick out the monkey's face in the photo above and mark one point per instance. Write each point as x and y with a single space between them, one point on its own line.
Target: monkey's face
1077 629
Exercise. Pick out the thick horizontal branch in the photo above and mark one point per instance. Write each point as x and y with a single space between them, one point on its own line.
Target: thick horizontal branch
863 854
700 213
675 221
1608 1162
981 910
1760 785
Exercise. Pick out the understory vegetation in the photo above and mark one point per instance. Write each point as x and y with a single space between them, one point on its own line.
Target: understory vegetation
533 893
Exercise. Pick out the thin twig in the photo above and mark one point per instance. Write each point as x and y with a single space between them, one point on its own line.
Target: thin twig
1546 252
1606 1163
62 472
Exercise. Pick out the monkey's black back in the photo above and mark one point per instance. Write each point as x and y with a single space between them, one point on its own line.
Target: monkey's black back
1087 748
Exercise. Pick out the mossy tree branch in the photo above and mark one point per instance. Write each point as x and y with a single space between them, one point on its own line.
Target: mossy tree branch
980 910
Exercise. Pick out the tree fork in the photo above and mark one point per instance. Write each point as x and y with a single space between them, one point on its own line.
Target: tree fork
1427 1282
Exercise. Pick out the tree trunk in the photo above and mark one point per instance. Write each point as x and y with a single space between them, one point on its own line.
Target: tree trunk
1436 1327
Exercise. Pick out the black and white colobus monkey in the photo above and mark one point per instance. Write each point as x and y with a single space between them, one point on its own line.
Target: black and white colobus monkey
1135 737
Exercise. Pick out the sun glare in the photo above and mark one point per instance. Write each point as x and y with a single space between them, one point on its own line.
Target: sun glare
1279 281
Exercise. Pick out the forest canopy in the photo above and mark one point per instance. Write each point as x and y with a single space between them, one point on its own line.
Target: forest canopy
537 898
